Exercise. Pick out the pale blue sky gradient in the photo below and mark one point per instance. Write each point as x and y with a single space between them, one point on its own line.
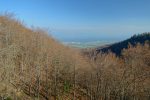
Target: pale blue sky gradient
83 19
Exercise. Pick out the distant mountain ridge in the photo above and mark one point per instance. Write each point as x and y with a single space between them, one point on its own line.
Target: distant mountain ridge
118 47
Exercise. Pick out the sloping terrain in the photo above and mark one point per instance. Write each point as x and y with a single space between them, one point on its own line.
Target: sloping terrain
32 63
118 47
34 66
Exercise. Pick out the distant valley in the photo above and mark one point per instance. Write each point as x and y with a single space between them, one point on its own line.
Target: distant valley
90 44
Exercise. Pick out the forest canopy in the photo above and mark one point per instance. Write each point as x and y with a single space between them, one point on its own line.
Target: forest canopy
33 65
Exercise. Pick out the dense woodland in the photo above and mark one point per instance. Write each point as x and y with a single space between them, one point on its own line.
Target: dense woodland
34 66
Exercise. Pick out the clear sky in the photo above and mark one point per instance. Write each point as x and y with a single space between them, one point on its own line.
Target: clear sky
82 19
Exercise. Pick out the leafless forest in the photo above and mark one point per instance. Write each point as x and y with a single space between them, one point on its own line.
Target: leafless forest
34 66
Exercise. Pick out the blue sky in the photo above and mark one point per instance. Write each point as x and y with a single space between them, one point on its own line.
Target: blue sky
83 19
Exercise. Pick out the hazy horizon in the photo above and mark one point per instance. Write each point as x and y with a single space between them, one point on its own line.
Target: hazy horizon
82 20
88 37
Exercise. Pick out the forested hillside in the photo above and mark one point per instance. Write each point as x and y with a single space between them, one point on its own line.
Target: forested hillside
33 63
34 66
118 47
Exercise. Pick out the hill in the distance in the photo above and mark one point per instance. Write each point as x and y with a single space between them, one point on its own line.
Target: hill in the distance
118 47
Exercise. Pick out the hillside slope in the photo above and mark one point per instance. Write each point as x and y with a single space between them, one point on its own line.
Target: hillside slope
34 66
118 47
32 63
